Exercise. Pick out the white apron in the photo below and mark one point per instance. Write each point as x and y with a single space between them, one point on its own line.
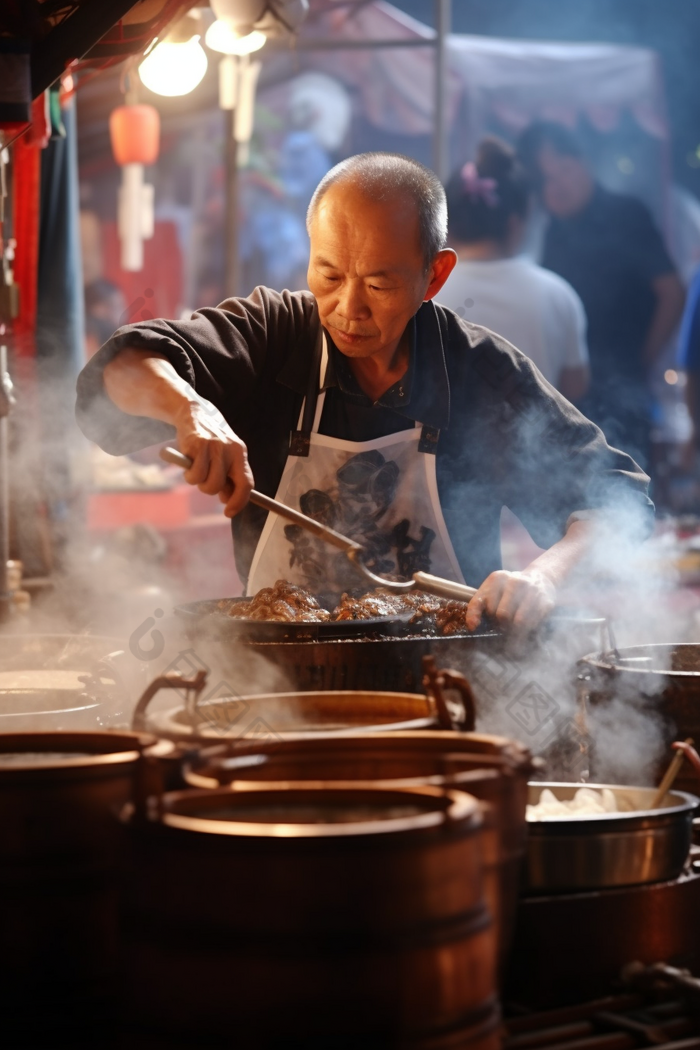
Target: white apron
381 493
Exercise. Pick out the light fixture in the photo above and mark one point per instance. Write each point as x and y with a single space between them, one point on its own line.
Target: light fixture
274 18
222 36
174 68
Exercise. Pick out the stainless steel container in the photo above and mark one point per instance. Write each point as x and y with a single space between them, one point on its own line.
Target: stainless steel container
660 684
639 845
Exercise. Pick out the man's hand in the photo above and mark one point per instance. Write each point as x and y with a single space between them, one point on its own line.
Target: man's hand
146 384
517 599
219 457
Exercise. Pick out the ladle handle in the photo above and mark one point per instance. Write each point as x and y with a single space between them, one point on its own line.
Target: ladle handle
171 455
458 592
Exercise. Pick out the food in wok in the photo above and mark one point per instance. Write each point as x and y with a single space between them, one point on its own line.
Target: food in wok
283 603
287 603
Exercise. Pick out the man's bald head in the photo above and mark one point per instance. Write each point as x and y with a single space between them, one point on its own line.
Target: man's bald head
388 176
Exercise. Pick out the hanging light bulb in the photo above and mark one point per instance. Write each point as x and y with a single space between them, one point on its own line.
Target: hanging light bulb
174 68
222 36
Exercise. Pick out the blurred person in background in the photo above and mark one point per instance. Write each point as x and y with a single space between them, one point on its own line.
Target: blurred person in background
608 247
536 310
689 360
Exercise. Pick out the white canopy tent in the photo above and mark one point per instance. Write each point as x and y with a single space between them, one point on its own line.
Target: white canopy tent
494 85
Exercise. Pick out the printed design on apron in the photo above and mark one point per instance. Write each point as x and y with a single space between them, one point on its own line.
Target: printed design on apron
380 493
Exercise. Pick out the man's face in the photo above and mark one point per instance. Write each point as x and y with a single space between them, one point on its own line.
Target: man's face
366 269
566 183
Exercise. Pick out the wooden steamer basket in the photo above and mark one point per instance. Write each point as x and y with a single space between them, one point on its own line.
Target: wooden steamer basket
317 916
662 679
296 715
59 793
493 769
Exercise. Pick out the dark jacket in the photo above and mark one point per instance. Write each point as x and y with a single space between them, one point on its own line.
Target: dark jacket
507 438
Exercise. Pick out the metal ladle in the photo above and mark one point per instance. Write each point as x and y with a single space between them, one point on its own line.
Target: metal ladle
420 581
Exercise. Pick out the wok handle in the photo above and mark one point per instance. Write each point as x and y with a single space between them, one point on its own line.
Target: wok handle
324 532
458 592
167 681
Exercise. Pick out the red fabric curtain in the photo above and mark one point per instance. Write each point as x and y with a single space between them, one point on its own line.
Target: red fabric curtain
26 231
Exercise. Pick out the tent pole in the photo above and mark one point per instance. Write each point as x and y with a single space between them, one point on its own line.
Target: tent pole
441 159
232 274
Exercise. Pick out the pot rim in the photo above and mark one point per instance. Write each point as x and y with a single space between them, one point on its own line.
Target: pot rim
605 661
99 750
634 820
459 811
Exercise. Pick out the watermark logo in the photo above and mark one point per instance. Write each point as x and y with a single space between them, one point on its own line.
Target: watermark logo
143 651
220 710
129 315
492 674
532 708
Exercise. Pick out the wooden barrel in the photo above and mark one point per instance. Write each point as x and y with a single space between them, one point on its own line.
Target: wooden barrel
288 715
58 885
321 916
495 770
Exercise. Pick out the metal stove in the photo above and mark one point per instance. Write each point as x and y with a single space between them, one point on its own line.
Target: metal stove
658 1006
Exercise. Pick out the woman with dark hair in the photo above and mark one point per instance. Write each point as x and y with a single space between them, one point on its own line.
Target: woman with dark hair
492 285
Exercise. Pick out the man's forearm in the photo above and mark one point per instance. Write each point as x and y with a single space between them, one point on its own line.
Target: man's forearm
563 558
146 384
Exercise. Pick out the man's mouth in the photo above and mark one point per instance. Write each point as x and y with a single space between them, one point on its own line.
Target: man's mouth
348 337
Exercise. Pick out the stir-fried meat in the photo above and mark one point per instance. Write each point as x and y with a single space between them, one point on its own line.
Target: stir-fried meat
370 606
287 603
283 603
451 617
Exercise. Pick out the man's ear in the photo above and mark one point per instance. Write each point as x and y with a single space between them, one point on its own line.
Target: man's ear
440 269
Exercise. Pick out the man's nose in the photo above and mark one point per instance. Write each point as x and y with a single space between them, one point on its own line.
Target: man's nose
352 303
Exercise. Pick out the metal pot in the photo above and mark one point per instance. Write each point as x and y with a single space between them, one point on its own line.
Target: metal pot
640 845
573 946
62 682
661 680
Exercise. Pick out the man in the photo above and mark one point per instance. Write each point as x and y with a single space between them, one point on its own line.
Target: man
606 245
390 418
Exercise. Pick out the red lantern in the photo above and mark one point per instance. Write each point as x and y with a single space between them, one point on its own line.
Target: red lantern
134 131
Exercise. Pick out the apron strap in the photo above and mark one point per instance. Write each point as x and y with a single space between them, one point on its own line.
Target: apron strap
312 405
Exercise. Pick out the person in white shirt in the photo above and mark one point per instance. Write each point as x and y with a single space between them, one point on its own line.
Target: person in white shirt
495 287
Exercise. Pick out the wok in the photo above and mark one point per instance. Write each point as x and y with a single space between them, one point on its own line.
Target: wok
211 617
640 845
